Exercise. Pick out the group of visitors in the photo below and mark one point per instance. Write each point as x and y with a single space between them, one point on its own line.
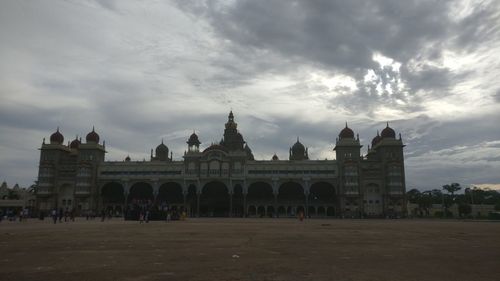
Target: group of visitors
12 215
58 215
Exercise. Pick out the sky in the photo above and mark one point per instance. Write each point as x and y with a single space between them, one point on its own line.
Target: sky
143 71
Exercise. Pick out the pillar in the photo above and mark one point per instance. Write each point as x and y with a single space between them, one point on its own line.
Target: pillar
230 205
275 203
244 204
198 205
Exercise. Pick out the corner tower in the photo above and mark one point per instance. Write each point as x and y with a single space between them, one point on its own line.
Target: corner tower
348 155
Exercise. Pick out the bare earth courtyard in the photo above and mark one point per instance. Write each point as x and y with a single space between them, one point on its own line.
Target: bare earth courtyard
250 249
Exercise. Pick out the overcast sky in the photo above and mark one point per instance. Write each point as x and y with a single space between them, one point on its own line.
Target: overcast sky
143 71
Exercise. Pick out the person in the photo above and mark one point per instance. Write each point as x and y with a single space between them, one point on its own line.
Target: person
301 216
103 215
141 217
61 214
54 215
147 216
168 216
66 215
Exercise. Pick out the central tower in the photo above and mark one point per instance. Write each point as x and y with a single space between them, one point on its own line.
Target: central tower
232 139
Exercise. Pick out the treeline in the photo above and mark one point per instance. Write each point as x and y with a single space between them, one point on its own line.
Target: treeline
448 196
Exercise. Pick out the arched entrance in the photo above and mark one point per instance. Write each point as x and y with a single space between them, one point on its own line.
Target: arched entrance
191 200
66 197
170 196
322 194
140 199
260 194
238 201
141 192
113 197
214 200
291 194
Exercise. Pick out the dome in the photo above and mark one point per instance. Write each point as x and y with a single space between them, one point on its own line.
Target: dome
247 148
346 133
127 159
57 137
298 148
193 139
388 132
215 147
92 137
376 139
275 157
75 143
161 148
239 137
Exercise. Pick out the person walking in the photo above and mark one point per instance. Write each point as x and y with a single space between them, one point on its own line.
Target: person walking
103 215
61 214
54 215
141 217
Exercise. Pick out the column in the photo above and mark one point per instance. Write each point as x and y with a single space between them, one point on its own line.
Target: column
306 194
230 205
306 211
244 204
156 190
198 205
275 203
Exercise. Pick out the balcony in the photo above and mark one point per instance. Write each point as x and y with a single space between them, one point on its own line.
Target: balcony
44 190
82 190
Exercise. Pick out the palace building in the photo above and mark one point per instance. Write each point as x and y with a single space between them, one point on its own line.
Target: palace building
225 180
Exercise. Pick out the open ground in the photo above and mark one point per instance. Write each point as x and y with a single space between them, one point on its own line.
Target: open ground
251 249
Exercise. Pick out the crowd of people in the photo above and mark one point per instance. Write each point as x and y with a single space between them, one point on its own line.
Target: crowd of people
15 215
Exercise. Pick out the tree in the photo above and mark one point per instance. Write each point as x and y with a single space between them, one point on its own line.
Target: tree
452 188
413 195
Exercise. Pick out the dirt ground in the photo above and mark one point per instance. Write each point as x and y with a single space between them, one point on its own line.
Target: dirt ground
250 249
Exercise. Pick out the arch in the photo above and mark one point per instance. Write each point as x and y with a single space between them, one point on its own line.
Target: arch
113 193
214 200
261 211
191 200
281 211
321 211
260 192
238 201
270 211
291 191
170 193
300 209
252 211
311 211
141 191
66 196
372 200
321 192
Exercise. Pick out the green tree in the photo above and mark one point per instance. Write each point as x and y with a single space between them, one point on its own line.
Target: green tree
452 188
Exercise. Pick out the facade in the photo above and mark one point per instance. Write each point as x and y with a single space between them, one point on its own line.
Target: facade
16 198
224 179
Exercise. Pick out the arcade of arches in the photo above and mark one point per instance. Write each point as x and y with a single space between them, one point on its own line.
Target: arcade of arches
215 199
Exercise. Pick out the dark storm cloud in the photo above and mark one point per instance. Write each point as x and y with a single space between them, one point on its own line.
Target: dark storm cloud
145 71
344 36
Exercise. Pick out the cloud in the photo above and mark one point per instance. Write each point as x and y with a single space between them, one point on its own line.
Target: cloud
143 71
